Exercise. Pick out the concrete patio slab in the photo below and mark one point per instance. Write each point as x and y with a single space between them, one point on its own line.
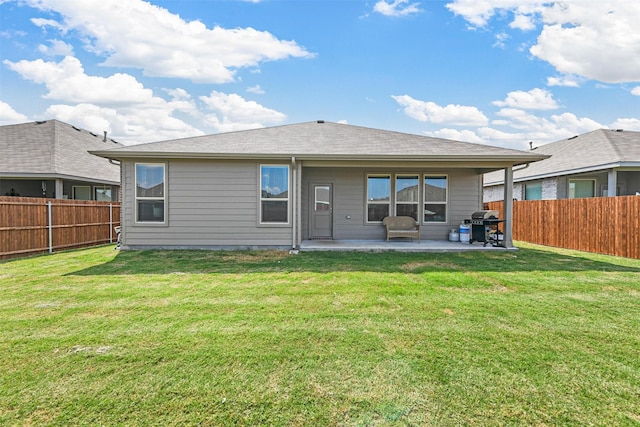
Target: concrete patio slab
397 246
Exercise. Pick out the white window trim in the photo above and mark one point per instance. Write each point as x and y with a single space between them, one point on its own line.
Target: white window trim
424 200
261 199
367 203
395 193
136 198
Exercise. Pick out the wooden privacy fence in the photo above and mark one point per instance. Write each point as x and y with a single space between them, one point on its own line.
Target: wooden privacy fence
34 225
606 225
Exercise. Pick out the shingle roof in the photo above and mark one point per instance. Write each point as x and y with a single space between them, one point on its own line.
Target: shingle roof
596 150
54 149
322 141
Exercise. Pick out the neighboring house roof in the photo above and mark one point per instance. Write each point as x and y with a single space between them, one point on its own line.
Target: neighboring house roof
597 150
54 149
324 141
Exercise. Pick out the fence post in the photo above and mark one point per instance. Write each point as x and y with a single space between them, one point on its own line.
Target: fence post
50 227
110 222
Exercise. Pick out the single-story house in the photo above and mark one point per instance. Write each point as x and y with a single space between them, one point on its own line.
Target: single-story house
600 163
51 159
275 187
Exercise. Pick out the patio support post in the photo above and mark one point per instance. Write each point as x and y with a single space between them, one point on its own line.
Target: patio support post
299 203
612 183
59 188
508 207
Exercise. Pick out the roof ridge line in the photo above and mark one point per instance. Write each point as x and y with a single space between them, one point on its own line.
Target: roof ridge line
612 144
54 145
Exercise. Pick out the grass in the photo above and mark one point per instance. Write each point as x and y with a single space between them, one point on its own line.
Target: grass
537 337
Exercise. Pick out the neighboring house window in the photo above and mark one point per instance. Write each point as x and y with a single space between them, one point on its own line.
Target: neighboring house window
435 198
102 194
274 194
81 192
407 195
378 197
582 188
533 191
150 192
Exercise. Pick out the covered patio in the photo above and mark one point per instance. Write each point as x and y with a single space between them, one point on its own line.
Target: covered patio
434 246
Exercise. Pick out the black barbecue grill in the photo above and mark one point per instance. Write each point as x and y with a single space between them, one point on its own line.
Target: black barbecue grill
485 228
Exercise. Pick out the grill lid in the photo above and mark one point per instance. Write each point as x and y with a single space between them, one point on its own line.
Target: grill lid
490 214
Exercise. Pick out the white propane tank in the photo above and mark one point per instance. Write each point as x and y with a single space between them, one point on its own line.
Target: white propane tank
454 236
465 233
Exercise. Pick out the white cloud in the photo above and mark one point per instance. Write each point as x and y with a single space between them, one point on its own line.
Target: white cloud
598 40
458 135
523 22
460 115
57 48
66 80
132 113
535 99
566 81
396 8
635 91
256 89
501 38
44 23
231 112
571 121
166 45
521 120
10 116
128 126
627 124
479 12
541 130
593 39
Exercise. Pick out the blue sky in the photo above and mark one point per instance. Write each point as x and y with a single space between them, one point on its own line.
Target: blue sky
499 72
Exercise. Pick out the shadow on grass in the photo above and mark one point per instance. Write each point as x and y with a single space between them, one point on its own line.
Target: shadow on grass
240 262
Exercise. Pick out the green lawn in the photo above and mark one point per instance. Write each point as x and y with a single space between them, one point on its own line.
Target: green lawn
535 337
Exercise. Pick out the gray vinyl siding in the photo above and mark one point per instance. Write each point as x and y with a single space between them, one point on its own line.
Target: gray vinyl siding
209 204
349 200
214 204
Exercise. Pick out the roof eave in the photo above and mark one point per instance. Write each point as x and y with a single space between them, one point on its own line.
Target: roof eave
47 176
598 168
515 160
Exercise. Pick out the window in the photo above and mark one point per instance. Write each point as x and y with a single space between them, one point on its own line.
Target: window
323 198
533 191
150 192
435 198
102 194
81 192
274 194
582 188
407 197
378 197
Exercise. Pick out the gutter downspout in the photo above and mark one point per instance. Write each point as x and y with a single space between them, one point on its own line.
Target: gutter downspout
526 165
508 208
